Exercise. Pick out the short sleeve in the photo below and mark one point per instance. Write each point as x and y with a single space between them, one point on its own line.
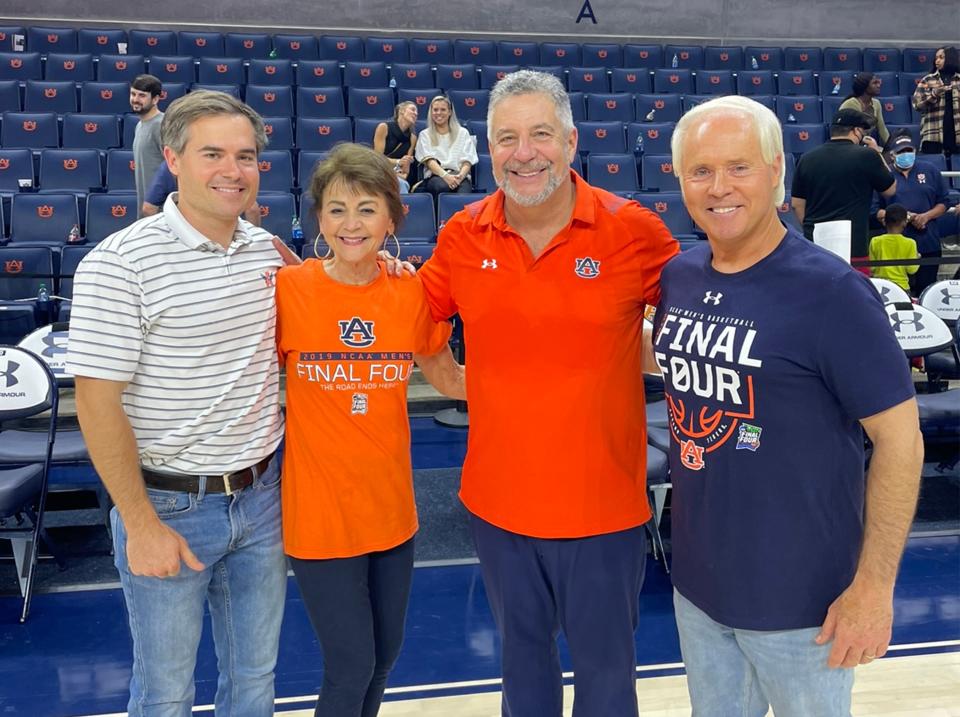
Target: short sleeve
435 275
880 177
857 352
469 153
424 148
655 244
162 185
430 336
106 320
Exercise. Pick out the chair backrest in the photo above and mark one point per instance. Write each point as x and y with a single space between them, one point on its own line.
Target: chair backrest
76 170
600 137
803 58
221 71
371 102
30 387
271 100
763 58
613 172
683 56
318 73
106 97
657 173
610 107
277 71
91 131
279 132
420 222
649 56
799 109
120 170
321 134
43 218
602 54
462 76
200 43
387 49
715 82
108 213
297 47
342 48
365 74
658 108
412 75
15 164
656 136
756 82
670 208
796 82
76 67
475 51
277 210
450 203
23 269
432 50
889 291
919 330
674 81
247 45
882 59
588 79
49 96
51 39
276 170
470 104
492 74
518 52
10 96
120 68
842 58
943 299
152 42
33 130
321 102
101 41
723 58
20 66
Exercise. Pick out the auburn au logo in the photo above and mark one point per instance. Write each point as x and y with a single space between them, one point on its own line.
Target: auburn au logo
264 210
118 211
588 77
797 80
269 96
653 133
644 54
201 42
406 209
600 132
45 211
714 79
13 266
50 92
431 49
613 168
387 48
420 100
611 104
132 165
666 167
364 72
221 69
372 99
765 56
674 79
16 63
320 98
882 58
411 74
153 41
518 51
804 57
684 55
4 163
602 54
561 52
501 75
102 39
171 67
661 207
586 268
324 129
341 45
357 333
799 106
803 135
269 69
268 129
756 80
69 64
29 125
470 101
294 45
474 50
836 80
631 77
842 57
70 164
888 106
264 165
659 104
458 74
120 65
319 71
53 39
691 455
248 44
724 56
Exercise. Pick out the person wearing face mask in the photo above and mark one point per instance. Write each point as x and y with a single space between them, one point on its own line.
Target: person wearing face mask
923 192
837 180
937 99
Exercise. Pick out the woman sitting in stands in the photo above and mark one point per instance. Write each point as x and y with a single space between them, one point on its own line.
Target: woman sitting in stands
348 336
446 150
397 140
866 90
937 99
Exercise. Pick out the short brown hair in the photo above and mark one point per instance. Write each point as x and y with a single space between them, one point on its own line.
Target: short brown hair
185 110
358 167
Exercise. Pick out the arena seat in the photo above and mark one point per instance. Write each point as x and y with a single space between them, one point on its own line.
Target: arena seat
386 49
318 73
799 109
91 131
277 210
420 222
656 136
842 58
476 52
43 218
882 59
151 42
49 96
120 68
276 170
658 107
649 56
674 81
321 134
561 54
433 50
370 102
631 79
492 74
412 75
610 107
271 100
469 104
20 66
342 48
517 52
33 130
588 79
689 57
802 58
279 132
250 46
106 213
365 75
656 172
51 39
670 208
297 47
755 82
715 82
172 68
10 96
203 43
601 54
723 58
101 41
601 137
75 67
613 172
763 58
222 71
462 76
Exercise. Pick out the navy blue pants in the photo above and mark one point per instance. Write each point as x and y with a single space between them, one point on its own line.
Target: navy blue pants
587 587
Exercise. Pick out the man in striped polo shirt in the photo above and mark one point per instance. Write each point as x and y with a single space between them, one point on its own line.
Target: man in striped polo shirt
172 344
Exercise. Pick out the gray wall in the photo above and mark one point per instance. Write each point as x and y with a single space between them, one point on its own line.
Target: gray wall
905 22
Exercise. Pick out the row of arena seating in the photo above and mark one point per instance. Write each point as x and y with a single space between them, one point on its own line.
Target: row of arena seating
343 48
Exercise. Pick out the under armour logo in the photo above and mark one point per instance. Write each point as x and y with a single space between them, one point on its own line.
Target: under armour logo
54 344
711 298
9 378
899 319
948 297
489 264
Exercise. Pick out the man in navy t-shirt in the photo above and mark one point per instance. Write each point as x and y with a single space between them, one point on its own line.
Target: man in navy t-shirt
776 357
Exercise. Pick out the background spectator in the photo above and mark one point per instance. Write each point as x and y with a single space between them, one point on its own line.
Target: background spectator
397 139
937 99
446 150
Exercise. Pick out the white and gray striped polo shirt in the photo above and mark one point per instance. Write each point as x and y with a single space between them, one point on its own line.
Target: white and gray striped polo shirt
190 327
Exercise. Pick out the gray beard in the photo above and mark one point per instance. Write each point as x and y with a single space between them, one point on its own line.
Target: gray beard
530 200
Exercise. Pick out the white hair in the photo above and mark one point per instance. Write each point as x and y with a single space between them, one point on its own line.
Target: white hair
764 121
528 82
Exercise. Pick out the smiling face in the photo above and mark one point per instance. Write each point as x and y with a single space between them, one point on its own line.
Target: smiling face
728 188
529 149
407 115
142 102
354 223
440 113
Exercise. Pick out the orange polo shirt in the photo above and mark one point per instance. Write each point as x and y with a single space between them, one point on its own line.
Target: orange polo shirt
348 351
557 443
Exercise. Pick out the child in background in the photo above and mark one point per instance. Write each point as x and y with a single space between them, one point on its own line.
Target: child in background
894 245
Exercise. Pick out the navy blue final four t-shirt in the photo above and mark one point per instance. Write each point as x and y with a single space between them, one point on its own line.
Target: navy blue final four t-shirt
767 373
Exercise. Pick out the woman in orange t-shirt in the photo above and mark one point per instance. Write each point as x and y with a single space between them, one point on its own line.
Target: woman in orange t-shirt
348 336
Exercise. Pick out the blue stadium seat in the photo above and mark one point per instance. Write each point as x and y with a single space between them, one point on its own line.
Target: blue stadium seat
723 58
15 164
279 132
600 137
386 49
412 75
671 210
320 101
91 131
836 82
559 72
48 96
657 173
613 172
477 52
469 104
233 90
649 56
588 79
152 42
276 170
897 109
908 81
612 106
636 80
70 258
601 54
306 162
842 58
318 73
882 59
120 68
802 58
365 75
364 129
829 105
20 66
560 54
796 82
371 102
250 46
688 56
918 59
478 128
450 203
297 47
799 109
100 41
433 50
458 77
416 253
756 82
656 136
18 261
43 218
690 101
888 83
277 210
271 100
171 91
120 174
658 107
342 48
790 166
108 213
679 81
269 72
798 138
204 43
172 68
420 223
321 134
715 82
33 130
74 170
517 52
483 179
765 58
222 71
421 98
768 101
75 67
7 33
51 39
10 96
492 74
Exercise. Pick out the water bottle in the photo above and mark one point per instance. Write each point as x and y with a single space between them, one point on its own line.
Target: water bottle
791 118
74 236
836 87
650 115
296 230
638 147
273 53
675 63
753 63
392 83
43 305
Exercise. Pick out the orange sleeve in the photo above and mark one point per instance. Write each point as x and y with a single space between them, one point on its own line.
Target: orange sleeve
283 283
435 275
429 336
655 244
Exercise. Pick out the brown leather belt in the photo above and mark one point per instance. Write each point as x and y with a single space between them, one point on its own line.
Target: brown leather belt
228 483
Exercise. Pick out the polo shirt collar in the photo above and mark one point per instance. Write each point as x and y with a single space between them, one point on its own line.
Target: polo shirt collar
584 208
188 235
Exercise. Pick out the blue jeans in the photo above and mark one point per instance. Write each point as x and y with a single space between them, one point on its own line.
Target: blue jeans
741 673
238 539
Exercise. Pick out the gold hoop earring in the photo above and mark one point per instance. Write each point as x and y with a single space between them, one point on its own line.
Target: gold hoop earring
316 244
386 243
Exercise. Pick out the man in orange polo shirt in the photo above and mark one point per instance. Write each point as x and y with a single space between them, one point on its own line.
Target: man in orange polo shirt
551 277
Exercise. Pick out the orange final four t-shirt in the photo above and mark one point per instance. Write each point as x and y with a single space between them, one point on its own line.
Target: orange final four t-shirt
348 352
557 443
